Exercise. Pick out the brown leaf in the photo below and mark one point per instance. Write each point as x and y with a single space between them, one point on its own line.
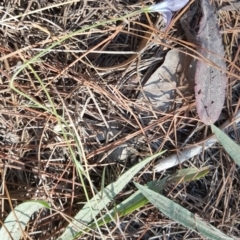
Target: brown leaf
160 89
210 81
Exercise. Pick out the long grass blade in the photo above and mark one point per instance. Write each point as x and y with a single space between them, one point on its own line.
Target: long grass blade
137 200
101 200
232 148
182 215
17 220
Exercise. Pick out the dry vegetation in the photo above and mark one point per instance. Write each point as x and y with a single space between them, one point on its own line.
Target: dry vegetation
101 105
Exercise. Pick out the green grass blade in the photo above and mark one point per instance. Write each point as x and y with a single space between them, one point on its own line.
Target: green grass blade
101 200
16 221
132 203
138 200
182 215
189 174
229 145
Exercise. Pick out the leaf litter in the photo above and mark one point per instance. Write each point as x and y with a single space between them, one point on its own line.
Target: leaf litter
38 165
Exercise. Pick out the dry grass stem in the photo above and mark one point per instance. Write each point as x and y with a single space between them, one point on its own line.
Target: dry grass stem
103 112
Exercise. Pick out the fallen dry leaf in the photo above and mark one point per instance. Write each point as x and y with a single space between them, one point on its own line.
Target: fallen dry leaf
160 89
210 81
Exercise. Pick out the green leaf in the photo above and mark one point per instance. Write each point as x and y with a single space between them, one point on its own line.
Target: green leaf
229 145
86 215
137 200
14 224
132 203
182 215
189 174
